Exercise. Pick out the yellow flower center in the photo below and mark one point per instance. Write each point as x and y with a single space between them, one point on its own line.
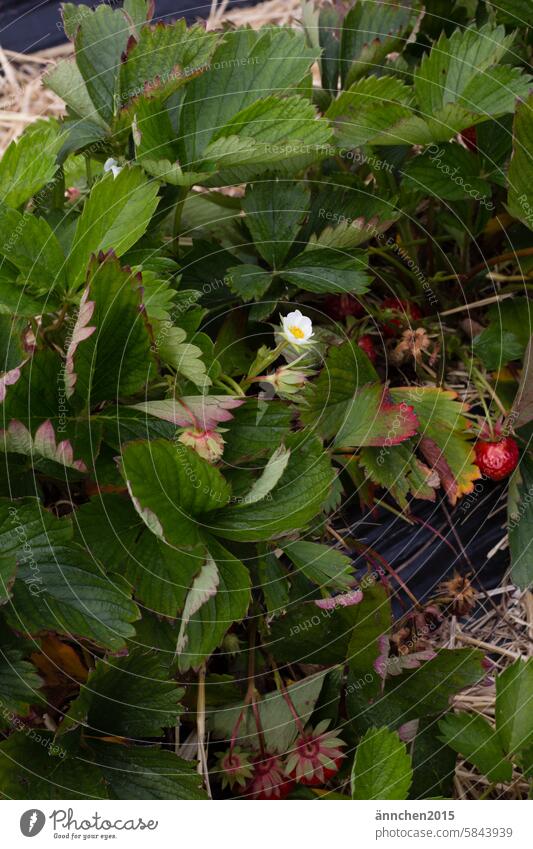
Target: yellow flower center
297 331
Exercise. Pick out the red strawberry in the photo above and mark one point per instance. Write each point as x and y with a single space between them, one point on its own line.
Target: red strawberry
366 344
469 136
269 780
339 306
496 460
316 756
407 314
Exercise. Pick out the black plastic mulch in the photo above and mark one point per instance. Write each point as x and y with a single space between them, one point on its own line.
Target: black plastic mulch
31 25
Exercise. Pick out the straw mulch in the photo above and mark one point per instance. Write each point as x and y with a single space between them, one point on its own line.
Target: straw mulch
504 628
23 98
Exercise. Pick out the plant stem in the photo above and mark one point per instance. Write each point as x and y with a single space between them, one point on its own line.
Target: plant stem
178 212
200 729
225 378
495 260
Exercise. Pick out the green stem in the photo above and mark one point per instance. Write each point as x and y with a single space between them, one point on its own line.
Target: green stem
394 261
225 378
178 212
88 171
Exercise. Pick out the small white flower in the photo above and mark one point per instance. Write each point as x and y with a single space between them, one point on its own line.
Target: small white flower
112 165
297 328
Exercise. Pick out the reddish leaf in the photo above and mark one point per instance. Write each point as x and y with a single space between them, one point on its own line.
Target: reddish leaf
372 418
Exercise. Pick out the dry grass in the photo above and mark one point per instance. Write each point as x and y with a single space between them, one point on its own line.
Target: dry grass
23 98
504 628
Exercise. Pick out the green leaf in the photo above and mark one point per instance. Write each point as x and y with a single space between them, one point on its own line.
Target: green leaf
444 434
110 524
424 691
371 418
245 67
514 700
34 766
346 369
172 489
164 58
249 282
219 596
507 335
140 11
316 631
364 216
292 504
382 768
520 523
170 172
371 30
269 477
30 244
371 626
456 86
22 522
257 428
473 738
401 472
456 67
433 764
161 574
520 173
275 210
100 41
58 586
147 772
19 685
115 215
126 697
321 564
37 766
184 357
73 598
22 173
274 134
274 584
72 15
450 172
109 351
326 270
372 109
16 300
65 80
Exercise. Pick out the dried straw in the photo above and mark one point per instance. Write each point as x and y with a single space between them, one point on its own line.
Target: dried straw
504 629
23 98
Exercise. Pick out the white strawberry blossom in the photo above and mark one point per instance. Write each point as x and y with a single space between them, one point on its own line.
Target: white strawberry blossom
297 328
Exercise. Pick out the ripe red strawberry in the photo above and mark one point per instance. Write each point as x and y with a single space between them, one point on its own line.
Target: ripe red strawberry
339 306
408 313
269 780
496 460
316 756
469 136
366 344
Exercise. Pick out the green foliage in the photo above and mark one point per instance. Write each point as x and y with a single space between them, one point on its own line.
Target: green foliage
234 301
382 767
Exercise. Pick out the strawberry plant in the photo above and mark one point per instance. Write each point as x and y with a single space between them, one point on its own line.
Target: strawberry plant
253 283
